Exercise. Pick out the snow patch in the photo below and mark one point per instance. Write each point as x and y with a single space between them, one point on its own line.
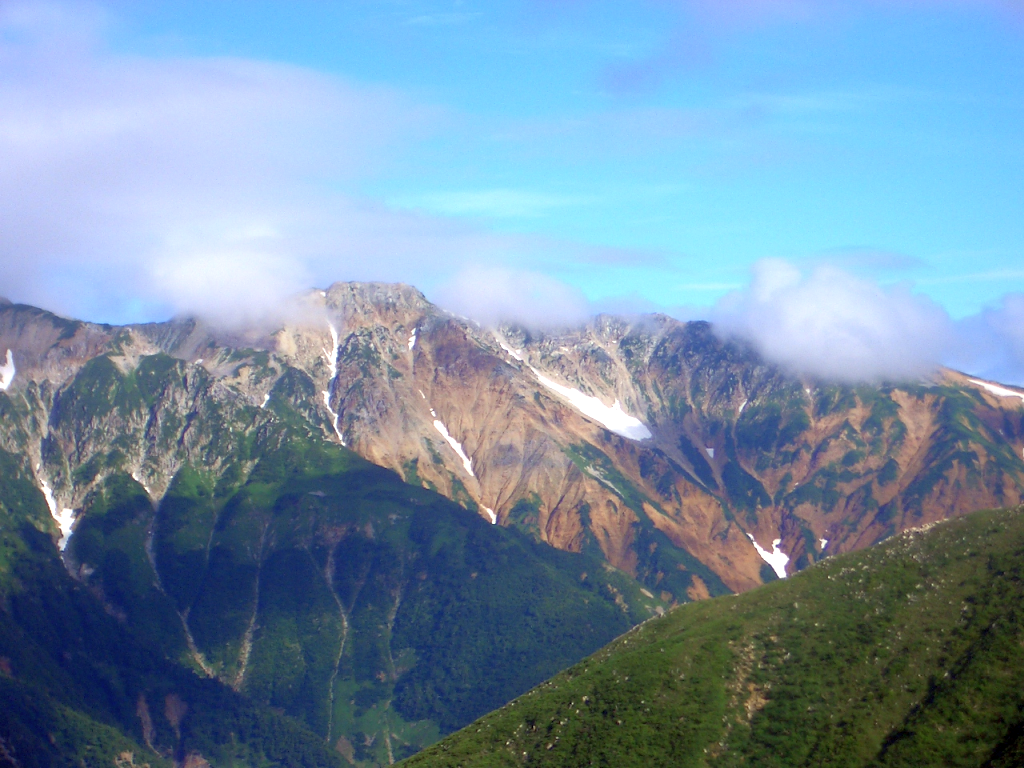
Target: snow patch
7 371
518 355
824 543
995 389
199 361
710 452
323 294
777 559
490 514
266 399
332 364
422 395
613 417
456 446
412 340
743 405
65 518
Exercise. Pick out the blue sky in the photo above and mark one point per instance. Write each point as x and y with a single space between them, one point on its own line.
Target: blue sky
623 154
709 141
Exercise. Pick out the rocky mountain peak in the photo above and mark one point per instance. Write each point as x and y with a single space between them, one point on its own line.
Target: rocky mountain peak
358 299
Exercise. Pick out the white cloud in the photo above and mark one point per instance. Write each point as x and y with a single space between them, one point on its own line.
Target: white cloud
133 187
991 343
494 295
835 326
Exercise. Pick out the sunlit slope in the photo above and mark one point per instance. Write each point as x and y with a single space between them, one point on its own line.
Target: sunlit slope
910 653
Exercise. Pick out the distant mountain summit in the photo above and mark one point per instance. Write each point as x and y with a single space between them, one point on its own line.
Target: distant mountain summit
681 459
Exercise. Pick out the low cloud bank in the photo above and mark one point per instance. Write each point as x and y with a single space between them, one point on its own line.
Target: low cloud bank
133 188
492 296
829 324
991 343
832 325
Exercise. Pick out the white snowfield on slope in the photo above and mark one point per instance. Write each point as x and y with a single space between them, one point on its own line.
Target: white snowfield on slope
7 371
455 444
612 417
332 364
64 518
995 389
777 559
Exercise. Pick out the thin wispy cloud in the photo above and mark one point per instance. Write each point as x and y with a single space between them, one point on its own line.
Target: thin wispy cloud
494 203
993 275
694 41
710 286
866 260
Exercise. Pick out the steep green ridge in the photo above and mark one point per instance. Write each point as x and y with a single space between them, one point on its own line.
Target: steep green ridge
381 614
79 687
378 614
910 653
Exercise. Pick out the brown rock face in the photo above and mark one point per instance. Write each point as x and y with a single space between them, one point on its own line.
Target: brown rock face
500 421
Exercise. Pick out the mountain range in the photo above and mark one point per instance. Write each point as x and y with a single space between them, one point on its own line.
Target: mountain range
376 521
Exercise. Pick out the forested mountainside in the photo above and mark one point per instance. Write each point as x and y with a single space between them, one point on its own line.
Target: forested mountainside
678 458
910 653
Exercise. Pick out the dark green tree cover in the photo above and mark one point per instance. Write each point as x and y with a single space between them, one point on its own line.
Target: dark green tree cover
907 654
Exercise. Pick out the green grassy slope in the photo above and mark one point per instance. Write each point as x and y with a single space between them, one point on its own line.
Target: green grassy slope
907 654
